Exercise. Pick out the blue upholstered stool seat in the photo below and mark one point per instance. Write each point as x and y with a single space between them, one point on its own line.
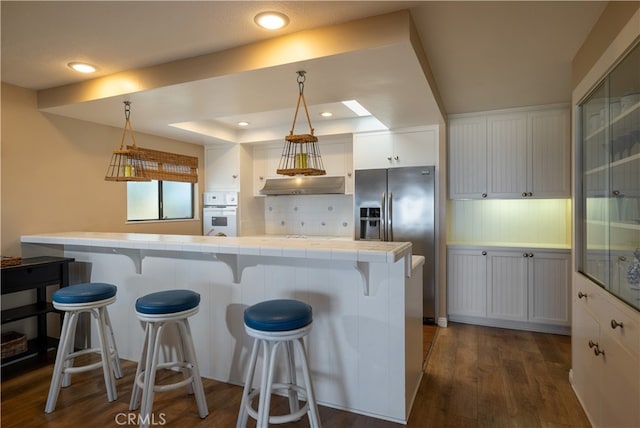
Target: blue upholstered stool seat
84 293
167 302
278 315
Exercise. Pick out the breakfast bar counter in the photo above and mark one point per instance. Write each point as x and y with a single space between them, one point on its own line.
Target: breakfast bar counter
365 348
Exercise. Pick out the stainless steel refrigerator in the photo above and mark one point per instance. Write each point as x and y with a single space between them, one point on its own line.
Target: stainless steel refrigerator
397 204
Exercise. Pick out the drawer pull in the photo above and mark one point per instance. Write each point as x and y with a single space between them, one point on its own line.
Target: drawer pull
484 253
615 324
581 295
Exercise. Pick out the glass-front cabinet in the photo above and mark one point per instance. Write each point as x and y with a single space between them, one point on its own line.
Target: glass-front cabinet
608 199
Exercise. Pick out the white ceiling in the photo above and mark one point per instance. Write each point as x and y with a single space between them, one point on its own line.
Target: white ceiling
484 55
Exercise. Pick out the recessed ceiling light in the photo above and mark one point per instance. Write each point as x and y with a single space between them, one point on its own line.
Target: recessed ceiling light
82 67
326 114
243 123
271 20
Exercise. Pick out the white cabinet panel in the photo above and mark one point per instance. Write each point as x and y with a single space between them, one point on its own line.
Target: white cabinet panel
550 162
222 167
585 368
522 153
507 145
467 287
549 276
507 291
372 151
396 149
468 158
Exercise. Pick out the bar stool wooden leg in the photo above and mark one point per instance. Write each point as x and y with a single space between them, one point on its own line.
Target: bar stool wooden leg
245 402
63 351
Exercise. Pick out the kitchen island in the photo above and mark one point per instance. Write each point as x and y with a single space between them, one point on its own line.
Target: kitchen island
365 348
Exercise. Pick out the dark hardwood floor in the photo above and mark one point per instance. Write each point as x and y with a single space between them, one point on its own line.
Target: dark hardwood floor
474 377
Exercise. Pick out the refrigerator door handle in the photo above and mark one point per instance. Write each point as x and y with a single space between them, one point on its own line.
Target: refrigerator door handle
383 218
390 216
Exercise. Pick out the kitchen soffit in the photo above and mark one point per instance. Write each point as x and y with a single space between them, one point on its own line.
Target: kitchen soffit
198 95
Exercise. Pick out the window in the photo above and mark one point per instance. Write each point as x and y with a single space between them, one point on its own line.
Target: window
159 200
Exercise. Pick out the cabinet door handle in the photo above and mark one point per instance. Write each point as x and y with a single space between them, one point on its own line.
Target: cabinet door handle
530 254
396 157
525 255
592 344
388 158
615 324
484 253
484 195
616 193
597 351
524 194
622 258
530 194
581 295
261 178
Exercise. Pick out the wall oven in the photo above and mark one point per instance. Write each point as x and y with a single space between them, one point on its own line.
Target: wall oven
220 214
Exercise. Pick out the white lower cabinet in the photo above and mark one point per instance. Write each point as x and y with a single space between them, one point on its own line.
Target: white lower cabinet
513 288
605 370
467 282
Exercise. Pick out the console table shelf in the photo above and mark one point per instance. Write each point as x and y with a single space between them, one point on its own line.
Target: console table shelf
35 273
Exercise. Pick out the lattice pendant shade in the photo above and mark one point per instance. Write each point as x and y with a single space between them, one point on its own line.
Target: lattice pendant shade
127 164
301 154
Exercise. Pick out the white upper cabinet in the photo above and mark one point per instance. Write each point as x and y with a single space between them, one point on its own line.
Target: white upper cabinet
507 142
511 154
336 157
468 158
550 132
222 167
415 147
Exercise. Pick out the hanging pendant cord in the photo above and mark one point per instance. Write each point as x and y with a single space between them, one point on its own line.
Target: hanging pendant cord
127 125
301 79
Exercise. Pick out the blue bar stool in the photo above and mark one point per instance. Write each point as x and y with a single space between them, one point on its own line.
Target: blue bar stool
74 300
272 324
157 311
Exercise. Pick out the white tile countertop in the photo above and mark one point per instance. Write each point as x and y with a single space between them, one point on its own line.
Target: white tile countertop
307 247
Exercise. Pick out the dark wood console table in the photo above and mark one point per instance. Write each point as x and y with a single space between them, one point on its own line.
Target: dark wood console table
34 273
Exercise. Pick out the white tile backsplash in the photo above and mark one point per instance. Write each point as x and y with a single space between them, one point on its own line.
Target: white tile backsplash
310 215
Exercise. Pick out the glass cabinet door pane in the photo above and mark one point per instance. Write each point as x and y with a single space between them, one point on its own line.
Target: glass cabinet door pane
624 231
595 183
609 192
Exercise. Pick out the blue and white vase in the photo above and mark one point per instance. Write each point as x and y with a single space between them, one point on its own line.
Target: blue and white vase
633 273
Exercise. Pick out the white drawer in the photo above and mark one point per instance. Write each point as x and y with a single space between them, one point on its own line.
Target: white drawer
608 309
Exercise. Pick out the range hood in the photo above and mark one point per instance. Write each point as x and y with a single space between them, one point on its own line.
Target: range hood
304 186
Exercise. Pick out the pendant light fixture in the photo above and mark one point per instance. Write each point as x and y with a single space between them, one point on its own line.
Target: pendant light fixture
127 162
301 155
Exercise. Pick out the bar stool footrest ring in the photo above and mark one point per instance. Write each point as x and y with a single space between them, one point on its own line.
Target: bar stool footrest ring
169 387
280 419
